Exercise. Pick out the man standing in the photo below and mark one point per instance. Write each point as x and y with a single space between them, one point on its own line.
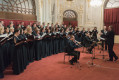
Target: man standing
110 42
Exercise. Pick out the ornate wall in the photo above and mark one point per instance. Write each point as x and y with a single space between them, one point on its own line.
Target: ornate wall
87 16
52 11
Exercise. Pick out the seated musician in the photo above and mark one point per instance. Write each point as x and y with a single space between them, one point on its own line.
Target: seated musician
70 50
87 40
89 43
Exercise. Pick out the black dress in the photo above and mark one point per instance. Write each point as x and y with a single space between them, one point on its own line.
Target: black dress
31 50
24 51
6 53
1 63
53 43
44 45
57 43
49 44
61 43
18 64
38 49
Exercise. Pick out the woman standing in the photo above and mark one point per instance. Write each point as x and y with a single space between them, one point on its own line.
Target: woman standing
17 62
1 55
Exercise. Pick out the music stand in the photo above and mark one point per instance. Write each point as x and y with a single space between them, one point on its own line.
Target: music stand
102 50
92 60
93 53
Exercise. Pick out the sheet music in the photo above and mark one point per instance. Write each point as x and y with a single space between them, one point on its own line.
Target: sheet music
3 35
50 34
38 37
43 35
102 38
10 34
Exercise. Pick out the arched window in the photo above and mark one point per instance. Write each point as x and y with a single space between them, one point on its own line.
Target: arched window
18 6
112 4
69 14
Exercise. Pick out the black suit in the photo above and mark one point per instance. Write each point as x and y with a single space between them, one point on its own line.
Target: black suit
83 36
89 32
110 41
87 41
104 33
94 34
71 46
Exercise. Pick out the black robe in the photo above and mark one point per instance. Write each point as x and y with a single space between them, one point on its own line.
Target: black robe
31 50
18 59
1 63
38 49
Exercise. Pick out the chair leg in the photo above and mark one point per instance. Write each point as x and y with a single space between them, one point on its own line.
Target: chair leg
83 49
98 47
86 49
78 64
64 59
69 57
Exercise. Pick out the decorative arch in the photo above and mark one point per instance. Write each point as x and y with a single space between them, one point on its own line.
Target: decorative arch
112 4
70 15
70 18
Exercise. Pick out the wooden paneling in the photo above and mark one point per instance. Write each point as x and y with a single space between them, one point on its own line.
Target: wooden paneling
17 16
18 6
2 15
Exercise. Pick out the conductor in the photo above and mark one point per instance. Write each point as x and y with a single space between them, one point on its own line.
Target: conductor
110 42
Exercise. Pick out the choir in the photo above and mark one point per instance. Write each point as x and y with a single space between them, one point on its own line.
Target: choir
21 45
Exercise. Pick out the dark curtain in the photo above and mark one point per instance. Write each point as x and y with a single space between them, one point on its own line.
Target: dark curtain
16 22
111 17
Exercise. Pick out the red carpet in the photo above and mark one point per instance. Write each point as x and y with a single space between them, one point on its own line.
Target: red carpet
53 68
